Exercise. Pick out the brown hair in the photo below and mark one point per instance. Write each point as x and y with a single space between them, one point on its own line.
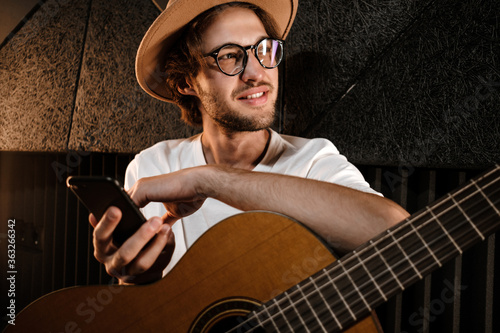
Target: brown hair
185 58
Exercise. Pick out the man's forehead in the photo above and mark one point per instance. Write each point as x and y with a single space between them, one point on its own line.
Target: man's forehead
233 25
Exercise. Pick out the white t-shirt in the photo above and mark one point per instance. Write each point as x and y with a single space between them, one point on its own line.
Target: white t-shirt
308 158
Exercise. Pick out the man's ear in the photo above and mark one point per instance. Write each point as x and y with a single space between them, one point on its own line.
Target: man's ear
186 88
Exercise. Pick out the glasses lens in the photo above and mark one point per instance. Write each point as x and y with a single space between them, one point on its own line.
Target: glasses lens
231 58
270 52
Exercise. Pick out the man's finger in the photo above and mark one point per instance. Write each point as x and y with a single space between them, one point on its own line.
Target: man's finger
133 246
156 251
103 232
92 220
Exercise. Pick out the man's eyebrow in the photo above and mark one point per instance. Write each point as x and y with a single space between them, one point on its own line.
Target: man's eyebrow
234 43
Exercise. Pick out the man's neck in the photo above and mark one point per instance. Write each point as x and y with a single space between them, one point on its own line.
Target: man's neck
243 150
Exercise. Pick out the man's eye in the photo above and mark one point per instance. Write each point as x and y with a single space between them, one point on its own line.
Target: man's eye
228 56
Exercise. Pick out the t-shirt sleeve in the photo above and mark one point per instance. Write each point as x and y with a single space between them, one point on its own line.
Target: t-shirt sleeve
131 174
331 166
336 169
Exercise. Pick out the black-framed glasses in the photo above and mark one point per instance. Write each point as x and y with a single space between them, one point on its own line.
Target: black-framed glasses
232 58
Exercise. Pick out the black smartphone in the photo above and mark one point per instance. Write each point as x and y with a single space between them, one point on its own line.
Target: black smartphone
98 193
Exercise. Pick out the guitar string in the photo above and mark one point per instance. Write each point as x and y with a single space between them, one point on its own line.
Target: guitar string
406 269
378 241
453 206
409 280
393 287
358 300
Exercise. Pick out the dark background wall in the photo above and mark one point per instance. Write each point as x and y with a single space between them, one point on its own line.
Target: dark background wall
408 90
389 82
395 82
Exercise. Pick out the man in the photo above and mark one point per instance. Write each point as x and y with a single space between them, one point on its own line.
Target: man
221 69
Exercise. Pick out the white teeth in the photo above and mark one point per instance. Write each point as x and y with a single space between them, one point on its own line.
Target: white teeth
257 95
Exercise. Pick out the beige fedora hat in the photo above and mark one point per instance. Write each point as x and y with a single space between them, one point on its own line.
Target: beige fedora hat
168 27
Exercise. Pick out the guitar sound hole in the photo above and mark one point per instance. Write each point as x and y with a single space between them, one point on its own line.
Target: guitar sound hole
227 315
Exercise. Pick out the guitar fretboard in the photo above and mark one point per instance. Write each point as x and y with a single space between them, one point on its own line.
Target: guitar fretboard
350 288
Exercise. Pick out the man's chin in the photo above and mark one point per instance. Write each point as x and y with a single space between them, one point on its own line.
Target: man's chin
241 124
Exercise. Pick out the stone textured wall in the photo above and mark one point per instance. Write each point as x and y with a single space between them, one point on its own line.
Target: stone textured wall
389 82
38 77
67 81
112 113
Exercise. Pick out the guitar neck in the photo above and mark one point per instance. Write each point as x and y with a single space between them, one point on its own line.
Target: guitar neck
350 288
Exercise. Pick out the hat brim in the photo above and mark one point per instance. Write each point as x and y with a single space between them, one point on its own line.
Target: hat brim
168 26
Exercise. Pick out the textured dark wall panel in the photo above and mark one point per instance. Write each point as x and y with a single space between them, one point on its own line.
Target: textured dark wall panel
38 70
112 113
330 45
428 97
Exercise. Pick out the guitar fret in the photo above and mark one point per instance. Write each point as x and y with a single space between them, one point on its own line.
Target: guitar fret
292 303
446 232
387 265
259 322
312 309
404 252
283 314
340 294
486 197
426 246
307 300
355 286
328 306
270 318
467 216
370 275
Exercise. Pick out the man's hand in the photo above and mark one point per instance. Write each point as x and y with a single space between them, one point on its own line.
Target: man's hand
180 192
132 262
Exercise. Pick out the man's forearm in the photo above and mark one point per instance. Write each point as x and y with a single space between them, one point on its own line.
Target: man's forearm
344 217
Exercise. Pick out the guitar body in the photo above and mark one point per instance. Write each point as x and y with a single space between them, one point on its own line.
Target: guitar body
238 264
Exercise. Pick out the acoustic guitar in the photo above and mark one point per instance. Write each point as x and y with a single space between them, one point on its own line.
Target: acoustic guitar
262 272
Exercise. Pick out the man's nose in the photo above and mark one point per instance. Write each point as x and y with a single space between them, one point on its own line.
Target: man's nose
253 70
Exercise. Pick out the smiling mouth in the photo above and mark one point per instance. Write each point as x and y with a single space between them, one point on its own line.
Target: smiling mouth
257 95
